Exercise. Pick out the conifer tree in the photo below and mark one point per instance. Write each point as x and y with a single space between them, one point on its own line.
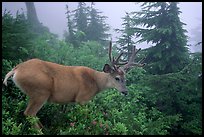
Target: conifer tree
97 28
70 34
126 39
81 21
163 28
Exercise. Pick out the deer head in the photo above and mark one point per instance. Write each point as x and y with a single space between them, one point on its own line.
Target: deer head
118 69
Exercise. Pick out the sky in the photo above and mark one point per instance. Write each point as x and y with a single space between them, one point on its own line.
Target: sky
52 15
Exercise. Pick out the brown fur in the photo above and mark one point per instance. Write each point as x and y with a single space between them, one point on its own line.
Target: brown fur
62 83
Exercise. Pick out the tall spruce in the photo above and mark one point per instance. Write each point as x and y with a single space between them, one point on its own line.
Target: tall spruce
86 24
97 28
126 39
81 21
16 37
162 26
70 34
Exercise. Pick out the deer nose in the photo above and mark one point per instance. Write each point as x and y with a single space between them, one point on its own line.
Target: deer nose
125 92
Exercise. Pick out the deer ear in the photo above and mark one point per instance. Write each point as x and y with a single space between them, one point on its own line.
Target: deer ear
107 68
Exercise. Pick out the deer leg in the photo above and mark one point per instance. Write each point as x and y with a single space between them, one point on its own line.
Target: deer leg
83 98
63 108
34 106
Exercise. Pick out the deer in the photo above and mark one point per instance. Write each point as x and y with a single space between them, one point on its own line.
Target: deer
44 81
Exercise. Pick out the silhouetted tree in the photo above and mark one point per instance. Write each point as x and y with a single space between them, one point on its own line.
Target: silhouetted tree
33 19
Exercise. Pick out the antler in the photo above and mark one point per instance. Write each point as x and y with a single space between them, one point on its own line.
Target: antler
128 64
114 61
131 62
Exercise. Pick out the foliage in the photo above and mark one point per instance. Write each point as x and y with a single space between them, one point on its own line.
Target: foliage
85 24
178 93
155 105
16 37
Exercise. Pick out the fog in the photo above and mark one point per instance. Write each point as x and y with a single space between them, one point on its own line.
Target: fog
52 15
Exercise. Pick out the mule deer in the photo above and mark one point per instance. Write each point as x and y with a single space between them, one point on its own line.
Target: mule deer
45 81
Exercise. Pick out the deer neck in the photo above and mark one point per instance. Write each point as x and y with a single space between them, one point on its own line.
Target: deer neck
102 80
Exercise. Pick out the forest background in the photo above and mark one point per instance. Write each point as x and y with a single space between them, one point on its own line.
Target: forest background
165 97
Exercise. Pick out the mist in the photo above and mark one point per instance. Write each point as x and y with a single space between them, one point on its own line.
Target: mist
52 15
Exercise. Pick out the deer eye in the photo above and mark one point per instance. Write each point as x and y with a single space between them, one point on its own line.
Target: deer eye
117 79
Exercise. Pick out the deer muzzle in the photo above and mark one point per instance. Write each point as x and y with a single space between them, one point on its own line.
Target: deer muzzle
124 92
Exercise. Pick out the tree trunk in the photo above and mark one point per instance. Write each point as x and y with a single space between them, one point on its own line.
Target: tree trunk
31 14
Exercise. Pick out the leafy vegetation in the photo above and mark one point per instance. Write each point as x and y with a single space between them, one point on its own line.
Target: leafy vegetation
167 104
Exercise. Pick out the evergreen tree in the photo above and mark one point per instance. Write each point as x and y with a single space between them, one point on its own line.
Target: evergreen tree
81 21
97 28
86 23
164 28
16 37
125 41
70 35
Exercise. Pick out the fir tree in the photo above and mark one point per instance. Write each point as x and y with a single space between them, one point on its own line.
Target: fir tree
163 28
97 28
126 39
81 17
70 35
16 37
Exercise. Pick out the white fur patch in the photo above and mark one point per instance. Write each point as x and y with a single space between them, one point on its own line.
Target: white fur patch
16 83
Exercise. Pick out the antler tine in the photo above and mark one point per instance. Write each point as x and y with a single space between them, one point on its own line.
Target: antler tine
131 62
112 59
132 56
142 60
115 61
134 52
110 51
118 58
127 65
